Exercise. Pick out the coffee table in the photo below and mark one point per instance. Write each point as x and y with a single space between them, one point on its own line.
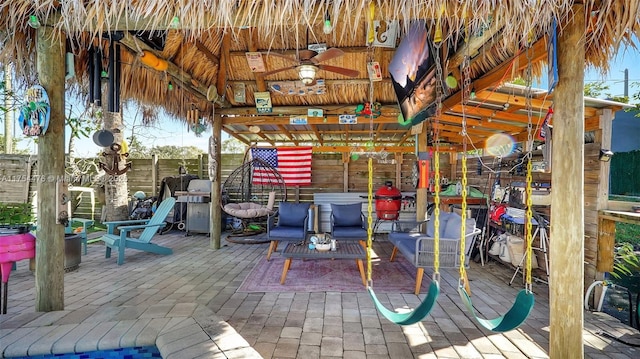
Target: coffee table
345 250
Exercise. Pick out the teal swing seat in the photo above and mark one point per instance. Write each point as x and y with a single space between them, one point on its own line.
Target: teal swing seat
511 320
414 316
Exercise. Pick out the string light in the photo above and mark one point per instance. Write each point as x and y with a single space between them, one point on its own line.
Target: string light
326 28
170 86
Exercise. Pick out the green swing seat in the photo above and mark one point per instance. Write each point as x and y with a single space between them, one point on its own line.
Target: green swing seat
511 320
414 316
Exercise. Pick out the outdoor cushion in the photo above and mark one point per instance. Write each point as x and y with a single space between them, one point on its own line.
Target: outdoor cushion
444 217
284 232
347 215
293 214
247 210
349 232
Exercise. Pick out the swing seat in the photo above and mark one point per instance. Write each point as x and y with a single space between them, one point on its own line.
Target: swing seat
414 316
419 248
511 320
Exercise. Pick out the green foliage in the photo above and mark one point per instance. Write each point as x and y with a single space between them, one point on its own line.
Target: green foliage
233 145
15 214
627 233
14 146
626 261
176 152
595 89
137 149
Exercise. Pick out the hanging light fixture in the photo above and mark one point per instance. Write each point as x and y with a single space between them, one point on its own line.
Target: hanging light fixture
326 28
307 74
34 22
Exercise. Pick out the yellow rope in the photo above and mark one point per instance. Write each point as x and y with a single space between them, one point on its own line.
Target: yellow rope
436 212
529 230
463 215
370 221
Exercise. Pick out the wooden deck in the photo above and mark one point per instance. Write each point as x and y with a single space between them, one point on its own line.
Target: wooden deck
285 325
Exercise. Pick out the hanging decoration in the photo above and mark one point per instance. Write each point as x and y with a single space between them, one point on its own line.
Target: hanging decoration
263 102
385 33
375 73
36 112
116 156
297 87
369 109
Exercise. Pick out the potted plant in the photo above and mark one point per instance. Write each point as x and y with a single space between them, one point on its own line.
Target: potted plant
15 218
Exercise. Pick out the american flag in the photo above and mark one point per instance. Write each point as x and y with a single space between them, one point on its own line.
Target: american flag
293 163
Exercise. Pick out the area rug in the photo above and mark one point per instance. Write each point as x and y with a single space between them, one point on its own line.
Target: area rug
326 275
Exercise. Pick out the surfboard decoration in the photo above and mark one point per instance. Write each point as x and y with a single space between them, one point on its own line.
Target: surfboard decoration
36 112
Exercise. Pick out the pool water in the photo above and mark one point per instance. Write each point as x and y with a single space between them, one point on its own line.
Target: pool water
122 353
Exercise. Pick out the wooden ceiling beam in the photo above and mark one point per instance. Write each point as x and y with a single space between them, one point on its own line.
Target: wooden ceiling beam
386 110
221 80
288 134
235 135
184 79
207 53
284 120
318 135
328 82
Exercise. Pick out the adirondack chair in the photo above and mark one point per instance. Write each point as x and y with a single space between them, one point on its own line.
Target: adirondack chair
143 242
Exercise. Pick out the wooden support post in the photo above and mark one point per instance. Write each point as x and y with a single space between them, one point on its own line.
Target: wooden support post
606 241
567 199
154 174
50 47
399 158
345 172
215 226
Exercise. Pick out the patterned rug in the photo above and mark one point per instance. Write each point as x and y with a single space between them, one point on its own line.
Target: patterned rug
326 275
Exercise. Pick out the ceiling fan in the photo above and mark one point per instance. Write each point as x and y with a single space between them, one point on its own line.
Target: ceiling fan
308 62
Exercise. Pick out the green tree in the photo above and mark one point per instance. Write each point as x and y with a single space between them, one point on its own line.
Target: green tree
176 152
137 149
15 148
233 145
596 89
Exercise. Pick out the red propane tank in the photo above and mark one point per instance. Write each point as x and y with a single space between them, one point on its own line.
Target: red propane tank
388 202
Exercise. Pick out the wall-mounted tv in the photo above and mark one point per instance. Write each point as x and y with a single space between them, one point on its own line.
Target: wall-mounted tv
413 74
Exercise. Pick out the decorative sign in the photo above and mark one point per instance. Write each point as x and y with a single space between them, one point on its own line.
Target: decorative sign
256 64
317 47
347 119
375 74
552 57
315 112
263 102
36 112
239 92
385 33
297 88
298 120
369 109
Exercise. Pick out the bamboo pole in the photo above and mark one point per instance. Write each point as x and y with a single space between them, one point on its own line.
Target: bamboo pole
50 47
567 202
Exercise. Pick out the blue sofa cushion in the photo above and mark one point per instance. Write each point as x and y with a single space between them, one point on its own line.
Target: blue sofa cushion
452 227
293 214
349 233
284 232
347 215
444 217
397 237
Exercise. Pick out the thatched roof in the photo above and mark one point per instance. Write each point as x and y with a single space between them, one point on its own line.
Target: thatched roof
206 44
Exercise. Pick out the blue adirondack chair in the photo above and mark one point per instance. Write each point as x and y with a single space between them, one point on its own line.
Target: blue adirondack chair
150 228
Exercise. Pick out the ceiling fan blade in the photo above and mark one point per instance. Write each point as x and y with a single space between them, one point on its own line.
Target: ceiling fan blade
264 74
282 56
328 54
340 70
305 55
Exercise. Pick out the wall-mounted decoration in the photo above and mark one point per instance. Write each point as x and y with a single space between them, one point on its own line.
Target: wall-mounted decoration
375 73
297 120
256 64
263 102
347 119
36 112
297 87
385 33
369 109
552 57
114 169
315 112
239 92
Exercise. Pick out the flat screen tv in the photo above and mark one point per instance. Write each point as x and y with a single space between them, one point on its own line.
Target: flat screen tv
413 74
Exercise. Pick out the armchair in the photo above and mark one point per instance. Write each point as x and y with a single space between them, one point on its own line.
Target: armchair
347 222
293 221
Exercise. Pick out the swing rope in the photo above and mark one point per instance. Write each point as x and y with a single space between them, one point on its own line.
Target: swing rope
428 303
525 300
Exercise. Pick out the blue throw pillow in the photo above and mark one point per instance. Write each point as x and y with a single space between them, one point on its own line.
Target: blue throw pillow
444 217
347 215
292 214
